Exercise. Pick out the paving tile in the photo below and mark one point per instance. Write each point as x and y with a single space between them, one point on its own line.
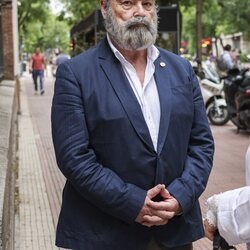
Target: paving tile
36 228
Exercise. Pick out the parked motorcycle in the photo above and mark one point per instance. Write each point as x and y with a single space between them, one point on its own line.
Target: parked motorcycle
237 94
213 95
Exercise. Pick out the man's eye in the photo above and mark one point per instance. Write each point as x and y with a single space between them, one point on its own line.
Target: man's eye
147 5
127 4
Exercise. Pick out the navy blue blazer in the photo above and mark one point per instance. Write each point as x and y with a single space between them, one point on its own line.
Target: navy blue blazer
104 149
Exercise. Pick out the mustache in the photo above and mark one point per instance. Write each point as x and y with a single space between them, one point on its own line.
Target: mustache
137 21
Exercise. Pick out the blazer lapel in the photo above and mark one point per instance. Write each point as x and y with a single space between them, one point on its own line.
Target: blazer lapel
164 90
117 78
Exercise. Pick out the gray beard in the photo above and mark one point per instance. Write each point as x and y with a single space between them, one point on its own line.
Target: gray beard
135 34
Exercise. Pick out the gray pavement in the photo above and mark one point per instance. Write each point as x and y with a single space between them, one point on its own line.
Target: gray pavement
40 182
34 224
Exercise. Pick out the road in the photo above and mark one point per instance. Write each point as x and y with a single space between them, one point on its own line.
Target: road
227 173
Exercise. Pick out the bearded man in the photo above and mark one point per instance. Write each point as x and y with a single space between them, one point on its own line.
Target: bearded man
131 136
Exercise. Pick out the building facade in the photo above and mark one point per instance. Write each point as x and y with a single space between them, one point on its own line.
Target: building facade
8 39
1 42
238 41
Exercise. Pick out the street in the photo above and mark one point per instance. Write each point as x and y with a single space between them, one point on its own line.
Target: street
228 171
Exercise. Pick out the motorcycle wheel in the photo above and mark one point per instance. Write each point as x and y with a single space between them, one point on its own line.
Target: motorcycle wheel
218 119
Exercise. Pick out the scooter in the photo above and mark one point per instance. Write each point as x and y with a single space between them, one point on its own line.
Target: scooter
215 103
213 95
237 94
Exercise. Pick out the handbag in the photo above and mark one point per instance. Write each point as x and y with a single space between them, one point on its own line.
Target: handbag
219 242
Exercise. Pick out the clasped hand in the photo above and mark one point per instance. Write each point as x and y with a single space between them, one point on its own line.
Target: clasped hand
155 213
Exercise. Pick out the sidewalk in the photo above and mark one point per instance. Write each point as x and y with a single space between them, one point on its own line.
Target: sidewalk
40 182
35 228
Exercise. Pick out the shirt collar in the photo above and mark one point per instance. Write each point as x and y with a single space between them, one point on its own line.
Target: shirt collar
153 52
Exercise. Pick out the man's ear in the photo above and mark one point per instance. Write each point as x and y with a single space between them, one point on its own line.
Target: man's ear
103 5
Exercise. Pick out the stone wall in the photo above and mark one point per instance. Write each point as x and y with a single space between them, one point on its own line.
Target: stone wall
8 135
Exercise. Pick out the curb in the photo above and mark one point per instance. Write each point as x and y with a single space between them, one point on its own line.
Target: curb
8 128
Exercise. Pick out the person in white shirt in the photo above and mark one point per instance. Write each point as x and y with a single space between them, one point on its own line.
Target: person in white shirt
229 212
61 57
227 59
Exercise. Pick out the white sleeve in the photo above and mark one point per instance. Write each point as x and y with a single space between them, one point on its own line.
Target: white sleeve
233 217
247 164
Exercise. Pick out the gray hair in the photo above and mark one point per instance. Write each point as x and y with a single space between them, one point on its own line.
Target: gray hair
107 3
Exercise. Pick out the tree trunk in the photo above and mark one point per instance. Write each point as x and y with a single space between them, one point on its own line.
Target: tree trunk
198 33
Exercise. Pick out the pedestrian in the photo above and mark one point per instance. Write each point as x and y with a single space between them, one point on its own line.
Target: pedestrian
61 57
226 62
131 136
37 65
229 212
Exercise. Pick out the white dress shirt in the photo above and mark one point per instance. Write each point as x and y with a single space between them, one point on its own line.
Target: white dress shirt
233 216
227 60
247 165
230 211
146 94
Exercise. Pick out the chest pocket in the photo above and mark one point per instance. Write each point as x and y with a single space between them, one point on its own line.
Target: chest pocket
182 101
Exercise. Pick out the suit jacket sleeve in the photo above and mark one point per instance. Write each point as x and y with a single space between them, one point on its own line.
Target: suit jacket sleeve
198 163
77 160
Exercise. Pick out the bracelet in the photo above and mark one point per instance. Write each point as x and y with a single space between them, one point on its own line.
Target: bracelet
212 208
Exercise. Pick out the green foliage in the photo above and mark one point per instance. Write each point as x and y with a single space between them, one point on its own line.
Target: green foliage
76 10
31 10
218 16
166 2
38 27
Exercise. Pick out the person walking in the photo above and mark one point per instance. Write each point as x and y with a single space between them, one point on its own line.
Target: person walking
61 57
37 65
132 138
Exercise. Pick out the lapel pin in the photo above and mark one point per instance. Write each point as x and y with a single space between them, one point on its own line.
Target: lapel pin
162 64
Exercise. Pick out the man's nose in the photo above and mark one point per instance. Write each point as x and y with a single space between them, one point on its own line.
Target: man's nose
139 10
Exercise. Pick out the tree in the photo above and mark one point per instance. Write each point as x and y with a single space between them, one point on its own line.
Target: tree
236 16
51 34
75 10
199 33
38 27
30 10
218 16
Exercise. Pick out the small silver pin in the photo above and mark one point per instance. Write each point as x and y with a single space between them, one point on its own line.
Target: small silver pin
162 64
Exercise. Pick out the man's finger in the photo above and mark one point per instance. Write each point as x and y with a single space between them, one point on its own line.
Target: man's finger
165 215
155 190
154 220
161 205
